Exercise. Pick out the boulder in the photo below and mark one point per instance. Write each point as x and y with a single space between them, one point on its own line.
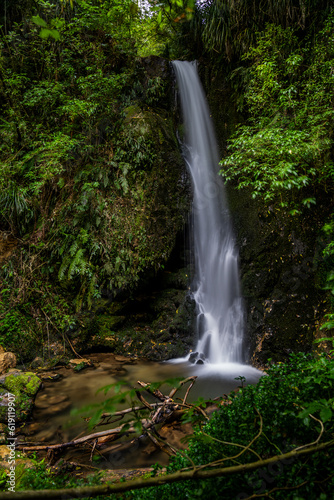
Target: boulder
80 364
7 360
24 387
20 463
197 358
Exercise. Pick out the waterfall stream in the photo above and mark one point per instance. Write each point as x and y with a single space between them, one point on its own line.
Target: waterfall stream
216 288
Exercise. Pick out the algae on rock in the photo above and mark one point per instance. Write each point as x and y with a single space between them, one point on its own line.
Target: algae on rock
24 386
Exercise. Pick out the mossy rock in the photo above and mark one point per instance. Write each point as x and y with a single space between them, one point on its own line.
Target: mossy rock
108 324
27 383
24 386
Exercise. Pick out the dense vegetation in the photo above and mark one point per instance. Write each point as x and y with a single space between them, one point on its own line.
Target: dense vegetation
81 166
80 125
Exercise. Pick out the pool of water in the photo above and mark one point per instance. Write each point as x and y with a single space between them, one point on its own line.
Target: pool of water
61 412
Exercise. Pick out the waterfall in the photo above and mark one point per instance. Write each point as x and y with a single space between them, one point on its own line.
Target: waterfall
216 288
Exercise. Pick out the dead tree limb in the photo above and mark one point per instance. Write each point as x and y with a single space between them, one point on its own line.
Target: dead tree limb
175 389
156 393
116 432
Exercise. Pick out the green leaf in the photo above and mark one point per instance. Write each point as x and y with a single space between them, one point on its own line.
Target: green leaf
326 414
39 21
46 32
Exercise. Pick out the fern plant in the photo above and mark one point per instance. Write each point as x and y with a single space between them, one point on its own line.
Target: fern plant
15 209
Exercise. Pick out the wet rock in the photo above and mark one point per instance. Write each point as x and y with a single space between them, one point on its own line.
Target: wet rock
24 387
7 360
49 376
193 356
6 455
197 358
32 429
79 364
58 408
47 436
123 359
45 401
37 362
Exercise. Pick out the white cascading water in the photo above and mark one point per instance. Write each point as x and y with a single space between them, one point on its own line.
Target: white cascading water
220 313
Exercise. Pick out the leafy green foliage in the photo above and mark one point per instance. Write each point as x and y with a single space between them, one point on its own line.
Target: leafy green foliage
232 26
283 152
285 146
289 407
41 476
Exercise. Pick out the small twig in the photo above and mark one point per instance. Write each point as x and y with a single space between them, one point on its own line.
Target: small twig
318 438
324 480
173 391
143 400
77 464
197 408
186 394
161 446
232 444
220 461
71 346
158 394
92 452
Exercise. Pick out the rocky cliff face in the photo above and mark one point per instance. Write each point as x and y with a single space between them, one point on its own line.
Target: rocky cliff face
100 262
280 256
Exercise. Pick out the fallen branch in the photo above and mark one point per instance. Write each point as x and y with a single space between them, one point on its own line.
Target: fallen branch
117 431
194 474
158 394
189 379
106 418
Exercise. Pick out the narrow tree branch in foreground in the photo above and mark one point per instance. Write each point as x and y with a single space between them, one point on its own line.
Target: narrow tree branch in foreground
107 489
283 488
